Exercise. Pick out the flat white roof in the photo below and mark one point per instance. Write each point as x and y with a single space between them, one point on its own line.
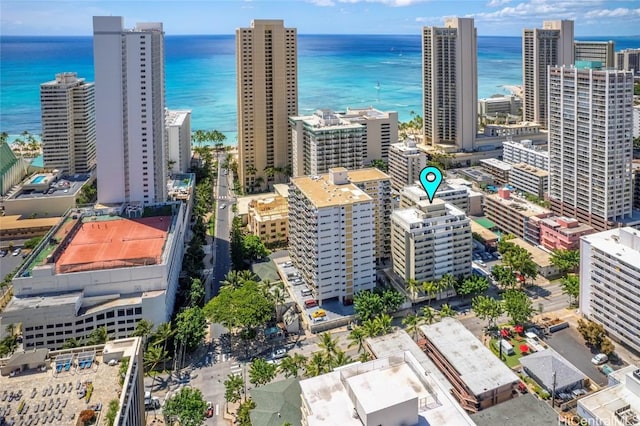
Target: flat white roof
620 243
480 369
604 403
496 163
386 387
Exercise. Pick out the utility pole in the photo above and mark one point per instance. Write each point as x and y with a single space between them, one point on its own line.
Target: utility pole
553 391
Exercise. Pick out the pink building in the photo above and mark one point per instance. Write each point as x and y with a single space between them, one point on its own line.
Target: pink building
559 232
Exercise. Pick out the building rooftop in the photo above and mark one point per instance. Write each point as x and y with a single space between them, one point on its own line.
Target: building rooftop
615 404
176 117
478 368
539 256
326 119
622 244
484 233
524 207
277 403
18 222
48 185
322 193
552 368
366 175
526 410
573 229
531 169
494 162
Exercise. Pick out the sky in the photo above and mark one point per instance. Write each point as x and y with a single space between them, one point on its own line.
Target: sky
492 17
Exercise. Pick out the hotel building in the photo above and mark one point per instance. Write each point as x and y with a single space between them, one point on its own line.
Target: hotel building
529 179
430 240
332 235
381 131
610 283
99 267
550 45
590 144
267 77
596 51
628 60
450 84
67 107
268 219
178 128
406 162
130 108
524 151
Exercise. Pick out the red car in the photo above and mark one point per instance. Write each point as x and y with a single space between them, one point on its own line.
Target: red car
310 303
209 412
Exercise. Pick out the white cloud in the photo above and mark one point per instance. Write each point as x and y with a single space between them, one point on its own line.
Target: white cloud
322 3
393 3
612 13
535 10
496 3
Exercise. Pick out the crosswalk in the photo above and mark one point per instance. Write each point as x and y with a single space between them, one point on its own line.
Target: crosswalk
236 369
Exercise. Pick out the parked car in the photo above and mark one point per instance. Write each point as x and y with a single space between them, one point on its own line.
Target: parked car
319 313
223 206
3 253
16 252
209 412
599 359
310 303
279 353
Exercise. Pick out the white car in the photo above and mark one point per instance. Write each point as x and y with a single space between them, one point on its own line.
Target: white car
279 353
223 206
599 359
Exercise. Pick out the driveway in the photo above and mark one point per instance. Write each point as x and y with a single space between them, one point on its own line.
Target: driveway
569 344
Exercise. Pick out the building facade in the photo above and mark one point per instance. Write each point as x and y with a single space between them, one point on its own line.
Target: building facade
178 127
562 233
130 108
450 84
596 51
67 106
500 170
431 240
541 47
628 60
452 193
267 92
268 219
610 283
332 235
406 162
524 151
381 131
590 144
529 179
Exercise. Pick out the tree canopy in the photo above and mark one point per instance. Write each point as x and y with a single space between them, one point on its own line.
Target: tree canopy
191 327
187 406
370 304
566 260
518 306
247 306
487 308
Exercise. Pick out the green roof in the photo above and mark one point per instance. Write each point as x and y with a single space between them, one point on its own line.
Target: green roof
7 158
277 403
485 223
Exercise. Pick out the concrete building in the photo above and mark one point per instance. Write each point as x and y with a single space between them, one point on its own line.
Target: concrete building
514 215
325 140
529 179
406 162
595 51
636 121
431 240
541 258
453 193
628 60
450 84
268 219
636 184
178 127
524 151
509 130
479 379
381 131
99 267
541 47
67 106
618 404
498 169
70 373
332 235
562 233
590 144
17 227
130 107
610 283
267 69
499 105
377 185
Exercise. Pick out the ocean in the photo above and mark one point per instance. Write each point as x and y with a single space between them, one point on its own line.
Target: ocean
334 71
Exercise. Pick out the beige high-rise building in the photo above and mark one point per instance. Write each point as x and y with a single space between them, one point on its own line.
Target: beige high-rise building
596 51
68 123
267 78
628 60
450 83
550 45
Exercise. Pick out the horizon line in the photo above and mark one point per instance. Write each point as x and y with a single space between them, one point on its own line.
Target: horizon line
316 34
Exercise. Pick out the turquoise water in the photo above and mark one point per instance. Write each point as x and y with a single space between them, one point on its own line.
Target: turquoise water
38 179
334 71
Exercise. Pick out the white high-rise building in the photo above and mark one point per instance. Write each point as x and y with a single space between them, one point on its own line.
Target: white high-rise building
267 91
450 83
590 144
381 131
130 108
524 151
628 60
406 162
332 235
550 45
178 127
431 240
67 106
610 282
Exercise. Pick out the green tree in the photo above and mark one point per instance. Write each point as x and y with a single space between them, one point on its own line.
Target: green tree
261 372
232 279
153 356
392 300
328 344
191 327
412 287
472 285
143 329
291 365
504 276
240 308
243 416
357 337
570 285
162 335
187 406
233 388
487 308
339 359
593 333
98 336
447 311
447 282
367 304
565 260
71 343
196 292
317 365
253 247
380 165
430 288
112 412
607 347
518 306
412 324
428 315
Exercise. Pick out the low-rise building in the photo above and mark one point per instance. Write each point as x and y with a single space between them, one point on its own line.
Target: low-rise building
406 162
529 179
540 257
499 105
479 379
562 233
498 169
610 283
12 169
524 151
268 219
522 129
82 378
553 372
617 404
15 227
431 240
514 215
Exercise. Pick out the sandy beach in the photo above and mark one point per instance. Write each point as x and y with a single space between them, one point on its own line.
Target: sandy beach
515 90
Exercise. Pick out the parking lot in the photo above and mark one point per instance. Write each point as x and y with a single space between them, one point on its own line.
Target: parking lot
9 263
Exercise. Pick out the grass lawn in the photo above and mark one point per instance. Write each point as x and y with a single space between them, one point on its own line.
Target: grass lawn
510 360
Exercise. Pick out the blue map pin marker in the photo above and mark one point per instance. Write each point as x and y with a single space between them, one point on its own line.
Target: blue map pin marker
430 178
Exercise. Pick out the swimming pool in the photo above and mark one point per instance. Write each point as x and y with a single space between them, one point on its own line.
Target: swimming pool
38 179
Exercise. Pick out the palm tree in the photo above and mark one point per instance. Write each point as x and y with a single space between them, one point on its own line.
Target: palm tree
232 279
143 329
261 372
447 311
384 323
428 315
328 344
412 287
279 296
291 365
316 365
163 333
153 356
364 357
430 289
340 359
247 275
357 337
233 386
447 282
412 324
